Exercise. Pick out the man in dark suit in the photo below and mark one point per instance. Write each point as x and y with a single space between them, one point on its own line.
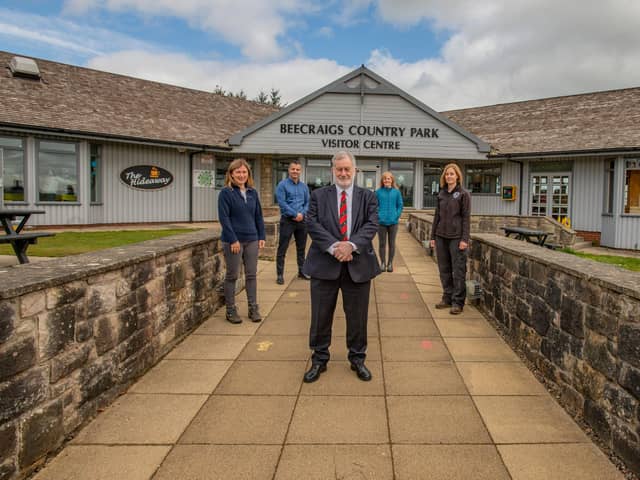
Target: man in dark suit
342 221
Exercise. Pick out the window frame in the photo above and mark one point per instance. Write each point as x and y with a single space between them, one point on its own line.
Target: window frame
468 176
630 165
38 164
99 174
23 149
393 168
608 199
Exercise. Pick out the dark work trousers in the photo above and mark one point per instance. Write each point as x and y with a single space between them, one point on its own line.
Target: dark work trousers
452 264
355 300
248 256
290 227
384 232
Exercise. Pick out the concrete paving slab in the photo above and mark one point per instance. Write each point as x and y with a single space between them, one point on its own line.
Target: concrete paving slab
401 310
339 419
104 462
320 462
465 327
448 462
209 347
410 297
220 462
528 420
492 378
182 376
277 347
339 351
287 311
339 379
468 312
430 299
426 288
217 325
558 462
480 350
286 324
393 278
233 419
414 349
423 378
127 420
407 327
435 419
295 296
390 286
263 378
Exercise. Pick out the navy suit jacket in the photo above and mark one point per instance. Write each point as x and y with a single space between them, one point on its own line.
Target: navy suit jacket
323 228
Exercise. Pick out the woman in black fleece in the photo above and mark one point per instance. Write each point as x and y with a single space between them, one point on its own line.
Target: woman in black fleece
450 237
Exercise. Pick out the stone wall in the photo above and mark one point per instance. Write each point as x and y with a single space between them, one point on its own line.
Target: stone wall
576 320
76 331
493 224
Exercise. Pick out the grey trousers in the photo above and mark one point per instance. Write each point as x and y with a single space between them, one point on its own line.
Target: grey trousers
452 264
384 232
248 256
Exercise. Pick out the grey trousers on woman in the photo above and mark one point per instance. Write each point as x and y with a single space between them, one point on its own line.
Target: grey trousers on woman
452 264
248 256
385 231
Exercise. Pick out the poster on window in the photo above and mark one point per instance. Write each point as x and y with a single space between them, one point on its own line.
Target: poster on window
204 178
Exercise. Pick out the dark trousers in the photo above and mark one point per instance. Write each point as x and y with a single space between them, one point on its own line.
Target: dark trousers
452 264
387 232
355 300
290 227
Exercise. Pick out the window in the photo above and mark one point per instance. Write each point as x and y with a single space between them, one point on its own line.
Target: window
609 177
484 179
57 172
95 172
318 174
632 187
404 175
12 151
280 172
222 165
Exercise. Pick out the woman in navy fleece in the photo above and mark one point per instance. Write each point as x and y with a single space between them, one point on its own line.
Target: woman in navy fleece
240 215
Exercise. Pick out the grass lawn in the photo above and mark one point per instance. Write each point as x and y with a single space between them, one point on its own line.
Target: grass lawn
72 243
630 263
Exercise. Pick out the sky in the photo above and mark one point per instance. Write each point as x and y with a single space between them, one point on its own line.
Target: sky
447 53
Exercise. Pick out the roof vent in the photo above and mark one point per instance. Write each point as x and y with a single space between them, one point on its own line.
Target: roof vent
24 67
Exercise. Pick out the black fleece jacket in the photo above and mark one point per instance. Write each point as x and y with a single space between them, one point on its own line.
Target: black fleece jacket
453 214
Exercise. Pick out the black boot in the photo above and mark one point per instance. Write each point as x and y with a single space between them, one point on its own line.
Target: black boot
232 315
254 313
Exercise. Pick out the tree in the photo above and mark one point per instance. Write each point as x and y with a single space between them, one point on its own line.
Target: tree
240 94
219 90
262 98
275 97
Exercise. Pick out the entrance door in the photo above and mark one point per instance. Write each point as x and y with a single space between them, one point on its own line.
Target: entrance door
550 195
430 186
367 179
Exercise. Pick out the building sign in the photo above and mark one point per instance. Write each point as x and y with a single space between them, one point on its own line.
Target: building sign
146 177
368 137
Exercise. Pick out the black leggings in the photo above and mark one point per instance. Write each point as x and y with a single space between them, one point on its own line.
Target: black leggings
385 231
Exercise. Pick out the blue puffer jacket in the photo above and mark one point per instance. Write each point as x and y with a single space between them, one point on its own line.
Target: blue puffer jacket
389 205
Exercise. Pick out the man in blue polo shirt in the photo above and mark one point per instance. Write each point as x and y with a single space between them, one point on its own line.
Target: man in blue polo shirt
293 199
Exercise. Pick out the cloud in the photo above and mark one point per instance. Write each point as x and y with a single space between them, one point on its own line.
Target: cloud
256 26
501 50
294 78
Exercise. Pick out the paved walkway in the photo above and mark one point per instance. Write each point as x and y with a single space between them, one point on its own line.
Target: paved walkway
448 400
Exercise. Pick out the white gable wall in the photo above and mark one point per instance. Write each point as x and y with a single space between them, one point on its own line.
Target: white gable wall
353 110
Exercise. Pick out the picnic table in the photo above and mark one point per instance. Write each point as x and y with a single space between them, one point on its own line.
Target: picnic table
530 235
19 241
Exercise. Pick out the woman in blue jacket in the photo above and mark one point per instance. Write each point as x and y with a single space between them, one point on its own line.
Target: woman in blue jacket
389 210
240 215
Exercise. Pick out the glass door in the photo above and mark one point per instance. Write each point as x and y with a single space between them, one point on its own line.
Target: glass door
367 179
550 195
430 186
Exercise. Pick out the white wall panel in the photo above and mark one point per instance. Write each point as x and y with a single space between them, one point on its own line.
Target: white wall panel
485 204
587 196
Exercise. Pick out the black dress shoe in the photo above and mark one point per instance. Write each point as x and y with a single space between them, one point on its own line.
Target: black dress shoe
303 276
314 372
363 372
280 280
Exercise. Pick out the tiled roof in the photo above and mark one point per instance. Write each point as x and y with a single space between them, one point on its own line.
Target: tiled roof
90 101
590 121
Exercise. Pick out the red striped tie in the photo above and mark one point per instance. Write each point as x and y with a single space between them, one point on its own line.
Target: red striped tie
343 215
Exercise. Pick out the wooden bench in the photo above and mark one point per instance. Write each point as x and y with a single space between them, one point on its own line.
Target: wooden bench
21 241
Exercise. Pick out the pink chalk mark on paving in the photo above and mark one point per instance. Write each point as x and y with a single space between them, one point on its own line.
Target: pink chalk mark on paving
426 344
404 296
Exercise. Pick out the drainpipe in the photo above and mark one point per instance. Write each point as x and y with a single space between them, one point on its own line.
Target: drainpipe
521 164
191 155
